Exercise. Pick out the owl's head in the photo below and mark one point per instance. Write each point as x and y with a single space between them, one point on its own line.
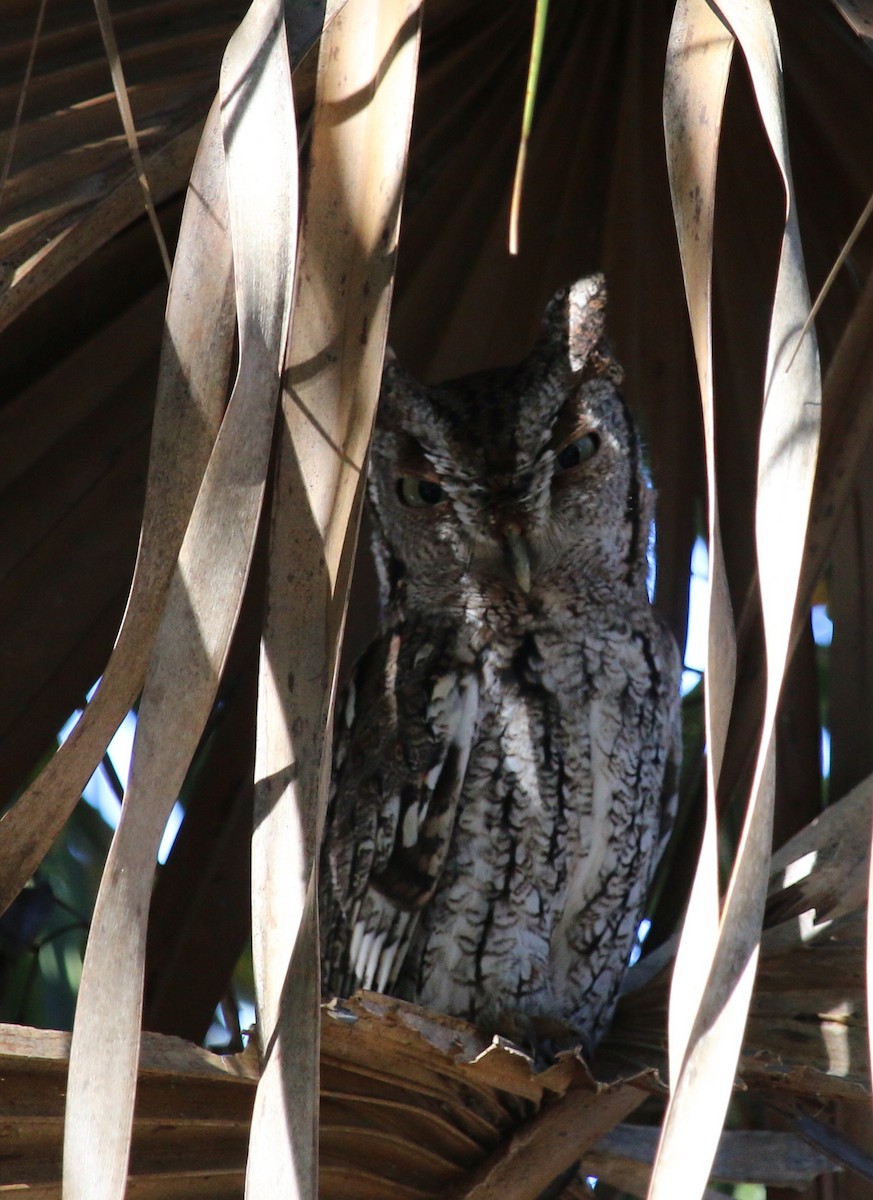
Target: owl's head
517 483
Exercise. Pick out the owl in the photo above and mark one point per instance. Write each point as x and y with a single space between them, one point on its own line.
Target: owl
505 758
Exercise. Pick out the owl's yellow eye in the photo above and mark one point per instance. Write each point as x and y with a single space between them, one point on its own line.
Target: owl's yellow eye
578 451
419 493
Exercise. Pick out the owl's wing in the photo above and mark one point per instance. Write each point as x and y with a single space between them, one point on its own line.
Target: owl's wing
401 752
672 738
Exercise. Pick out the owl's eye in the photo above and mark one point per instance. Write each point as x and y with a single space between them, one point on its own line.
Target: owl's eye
578 451
419 493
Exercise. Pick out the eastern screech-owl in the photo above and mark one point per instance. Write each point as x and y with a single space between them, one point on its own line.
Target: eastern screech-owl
505 759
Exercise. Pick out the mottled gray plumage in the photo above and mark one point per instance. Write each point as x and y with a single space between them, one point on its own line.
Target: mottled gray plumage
505 759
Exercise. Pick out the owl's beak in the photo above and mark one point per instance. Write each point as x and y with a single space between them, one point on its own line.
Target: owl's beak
518 557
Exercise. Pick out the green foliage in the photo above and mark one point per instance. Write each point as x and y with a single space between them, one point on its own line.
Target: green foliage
43 934
750 1191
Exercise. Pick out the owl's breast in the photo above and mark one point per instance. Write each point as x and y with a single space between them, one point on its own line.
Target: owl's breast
557 824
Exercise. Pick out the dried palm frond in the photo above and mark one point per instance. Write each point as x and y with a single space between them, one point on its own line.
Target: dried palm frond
806 1035
412 1105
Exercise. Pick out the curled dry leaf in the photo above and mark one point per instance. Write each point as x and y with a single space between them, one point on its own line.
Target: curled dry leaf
348 246
203 600
192 384
786 467
699 57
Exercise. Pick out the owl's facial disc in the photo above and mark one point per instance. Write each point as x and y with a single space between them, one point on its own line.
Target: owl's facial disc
493 512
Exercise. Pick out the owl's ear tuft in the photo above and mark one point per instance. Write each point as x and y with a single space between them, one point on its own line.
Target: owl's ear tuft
394 379
394 397
575 323
391 368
